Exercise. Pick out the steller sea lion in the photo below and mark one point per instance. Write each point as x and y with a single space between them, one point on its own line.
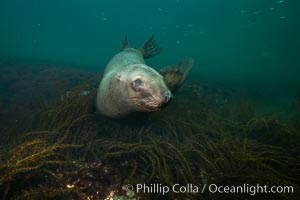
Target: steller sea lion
129 85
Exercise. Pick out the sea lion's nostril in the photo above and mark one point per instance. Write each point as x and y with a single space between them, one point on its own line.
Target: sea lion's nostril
167 95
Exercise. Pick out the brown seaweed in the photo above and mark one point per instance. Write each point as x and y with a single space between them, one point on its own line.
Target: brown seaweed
185 143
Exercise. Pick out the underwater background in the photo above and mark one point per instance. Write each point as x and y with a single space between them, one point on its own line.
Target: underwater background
235 120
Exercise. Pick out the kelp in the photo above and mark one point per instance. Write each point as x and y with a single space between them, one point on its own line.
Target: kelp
199 159
188 142
274 132
30 159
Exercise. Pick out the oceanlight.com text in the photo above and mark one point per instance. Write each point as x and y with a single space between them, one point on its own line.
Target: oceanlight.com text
250 189
211 188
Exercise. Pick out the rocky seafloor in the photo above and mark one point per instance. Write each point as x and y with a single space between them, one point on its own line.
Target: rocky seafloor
53 145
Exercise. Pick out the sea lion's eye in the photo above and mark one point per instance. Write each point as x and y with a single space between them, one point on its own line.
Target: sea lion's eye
137 82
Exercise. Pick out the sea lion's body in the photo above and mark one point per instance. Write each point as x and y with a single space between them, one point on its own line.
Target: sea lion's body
129 85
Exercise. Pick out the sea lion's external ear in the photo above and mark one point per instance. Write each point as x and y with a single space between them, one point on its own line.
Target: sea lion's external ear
175 75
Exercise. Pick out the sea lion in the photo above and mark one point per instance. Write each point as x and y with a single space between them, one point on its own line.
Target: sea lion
129 85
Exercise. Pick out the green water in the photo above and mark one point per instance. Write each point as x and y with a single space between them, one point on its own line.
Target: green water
251 41
235 121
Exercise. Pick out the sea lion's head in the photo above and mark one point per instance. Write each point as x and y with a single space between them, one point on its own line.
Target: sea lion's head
145 88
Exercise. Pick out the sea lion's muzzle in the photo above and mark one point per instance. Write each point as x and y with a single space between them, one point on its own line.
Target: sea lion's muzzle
166 100
168 96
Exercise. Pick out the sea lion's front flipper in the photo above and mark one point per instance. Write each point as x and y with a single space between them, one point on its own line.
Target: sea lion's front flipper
150 48
175 75
124 44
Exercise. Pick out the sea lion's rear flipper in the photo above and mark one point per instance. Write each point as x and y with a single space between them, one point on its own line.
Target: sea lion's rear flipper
124 44
175 75
150 48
